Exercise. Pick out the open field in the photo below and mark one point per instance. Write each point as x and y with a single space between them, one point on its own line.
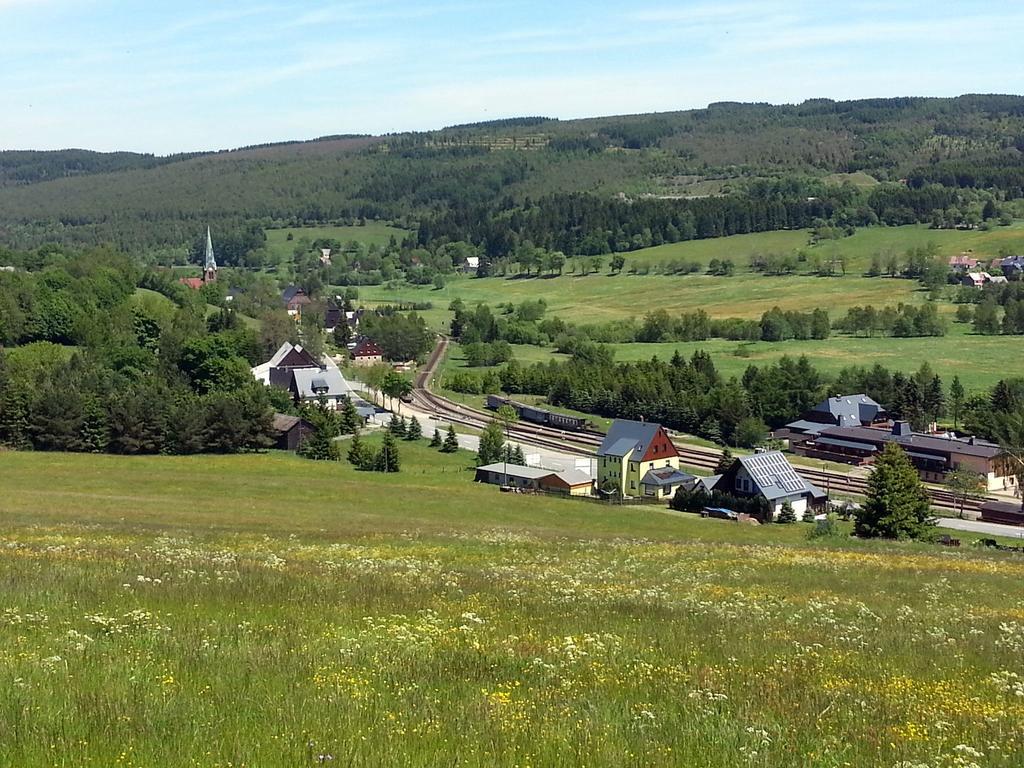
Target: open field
373 233
599 297
857 249
979 361
263 610
602 297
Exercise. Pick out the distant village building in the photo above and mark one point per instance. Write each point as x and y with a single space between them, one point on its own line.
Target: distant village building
1013 267
975 279
934 456
769 476
570 482
470 264
366 352
209 268
840 411
963 262
294 299
325 256
332 317
638 458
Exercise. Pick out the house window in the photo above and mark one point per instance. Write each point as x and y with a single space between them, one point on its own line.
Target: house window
632 485
632 467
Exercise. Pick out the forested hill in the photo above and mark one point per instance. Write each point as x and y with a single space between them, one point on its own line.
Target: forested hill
454 178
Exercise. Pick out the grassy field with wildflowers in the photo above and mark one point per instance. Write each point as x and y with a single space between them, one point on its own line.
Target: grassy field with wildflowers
269 611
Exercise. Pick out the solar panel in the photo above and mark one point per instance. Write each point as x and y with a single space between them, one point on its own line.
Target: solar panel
772 469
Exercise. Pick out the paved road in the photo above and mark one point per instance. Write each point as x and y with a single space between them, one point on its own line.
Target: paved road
975 526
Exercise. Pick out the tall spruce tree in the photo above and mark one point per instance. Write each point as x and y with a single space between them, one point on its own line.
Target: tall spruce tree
451 441
724 462
387 458
897 506
435 440
413 429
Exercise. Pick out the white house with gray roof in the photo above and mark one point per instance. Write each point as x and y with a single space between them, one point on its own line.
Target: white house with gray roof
770 476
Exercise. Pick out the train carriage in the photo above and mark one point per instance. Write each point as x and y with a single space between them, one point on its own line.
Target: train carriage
535 415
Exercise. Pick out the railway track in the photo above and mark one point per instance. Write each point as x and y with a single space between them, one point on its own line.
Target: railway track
585 443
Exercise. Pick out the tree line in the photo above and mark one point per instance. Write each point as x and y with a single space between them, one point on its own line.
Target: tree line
90 365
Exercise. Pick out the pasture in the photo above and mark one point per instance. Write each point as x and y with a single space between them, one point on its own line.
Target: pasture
373 233
979 361
598 298
264 610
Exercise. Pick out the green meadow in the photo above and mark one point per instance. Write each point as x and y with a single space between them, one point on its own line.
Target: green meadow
268 611
979 361
373 233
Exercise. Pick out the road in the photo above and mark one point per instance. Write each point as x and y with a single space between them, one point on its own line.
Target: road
975 526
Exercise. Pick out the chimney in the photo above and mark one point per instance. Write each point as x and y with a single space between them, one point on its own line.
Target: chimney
972 440
901 429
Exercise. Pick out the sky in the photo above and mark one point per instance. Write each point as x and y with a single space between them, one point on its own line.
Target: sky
165 77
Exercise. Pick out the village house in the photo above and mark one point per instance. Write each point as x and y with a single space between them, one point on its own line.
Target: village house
769 476
293 369
294 299
975 279
470 264
934 456
332 317
637 458
366 352
840 411
963 262
570 482
1012 266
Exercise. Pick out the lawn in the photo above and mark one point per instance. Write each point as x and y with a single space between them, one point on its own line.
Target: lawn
266 611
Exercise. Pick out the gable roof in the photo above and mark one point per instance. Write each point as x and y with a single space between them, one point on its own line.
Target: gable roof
309 380
774 477
332 316
195 283
625 435
666 476
516 470
367 348
850 410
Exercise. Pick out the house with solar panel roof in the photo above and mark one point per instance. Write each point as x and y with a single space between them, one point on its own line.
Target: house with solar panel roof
769 476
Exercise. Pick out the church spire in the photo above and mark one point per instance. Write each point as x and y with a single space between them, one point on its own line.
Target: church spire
210 269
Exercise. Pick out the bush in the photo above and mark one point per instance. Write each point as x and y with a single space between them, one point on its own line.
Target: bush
828 528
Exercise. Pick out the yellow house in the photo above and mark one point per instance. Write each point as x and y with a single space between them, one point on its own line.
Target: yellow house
638 458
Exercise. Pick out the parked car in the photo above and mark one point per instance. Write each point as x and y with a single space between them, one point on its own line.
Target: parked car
719 513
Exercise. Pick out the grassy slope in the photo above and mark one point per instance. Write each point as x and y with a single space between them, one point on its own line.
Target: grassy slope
262 610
